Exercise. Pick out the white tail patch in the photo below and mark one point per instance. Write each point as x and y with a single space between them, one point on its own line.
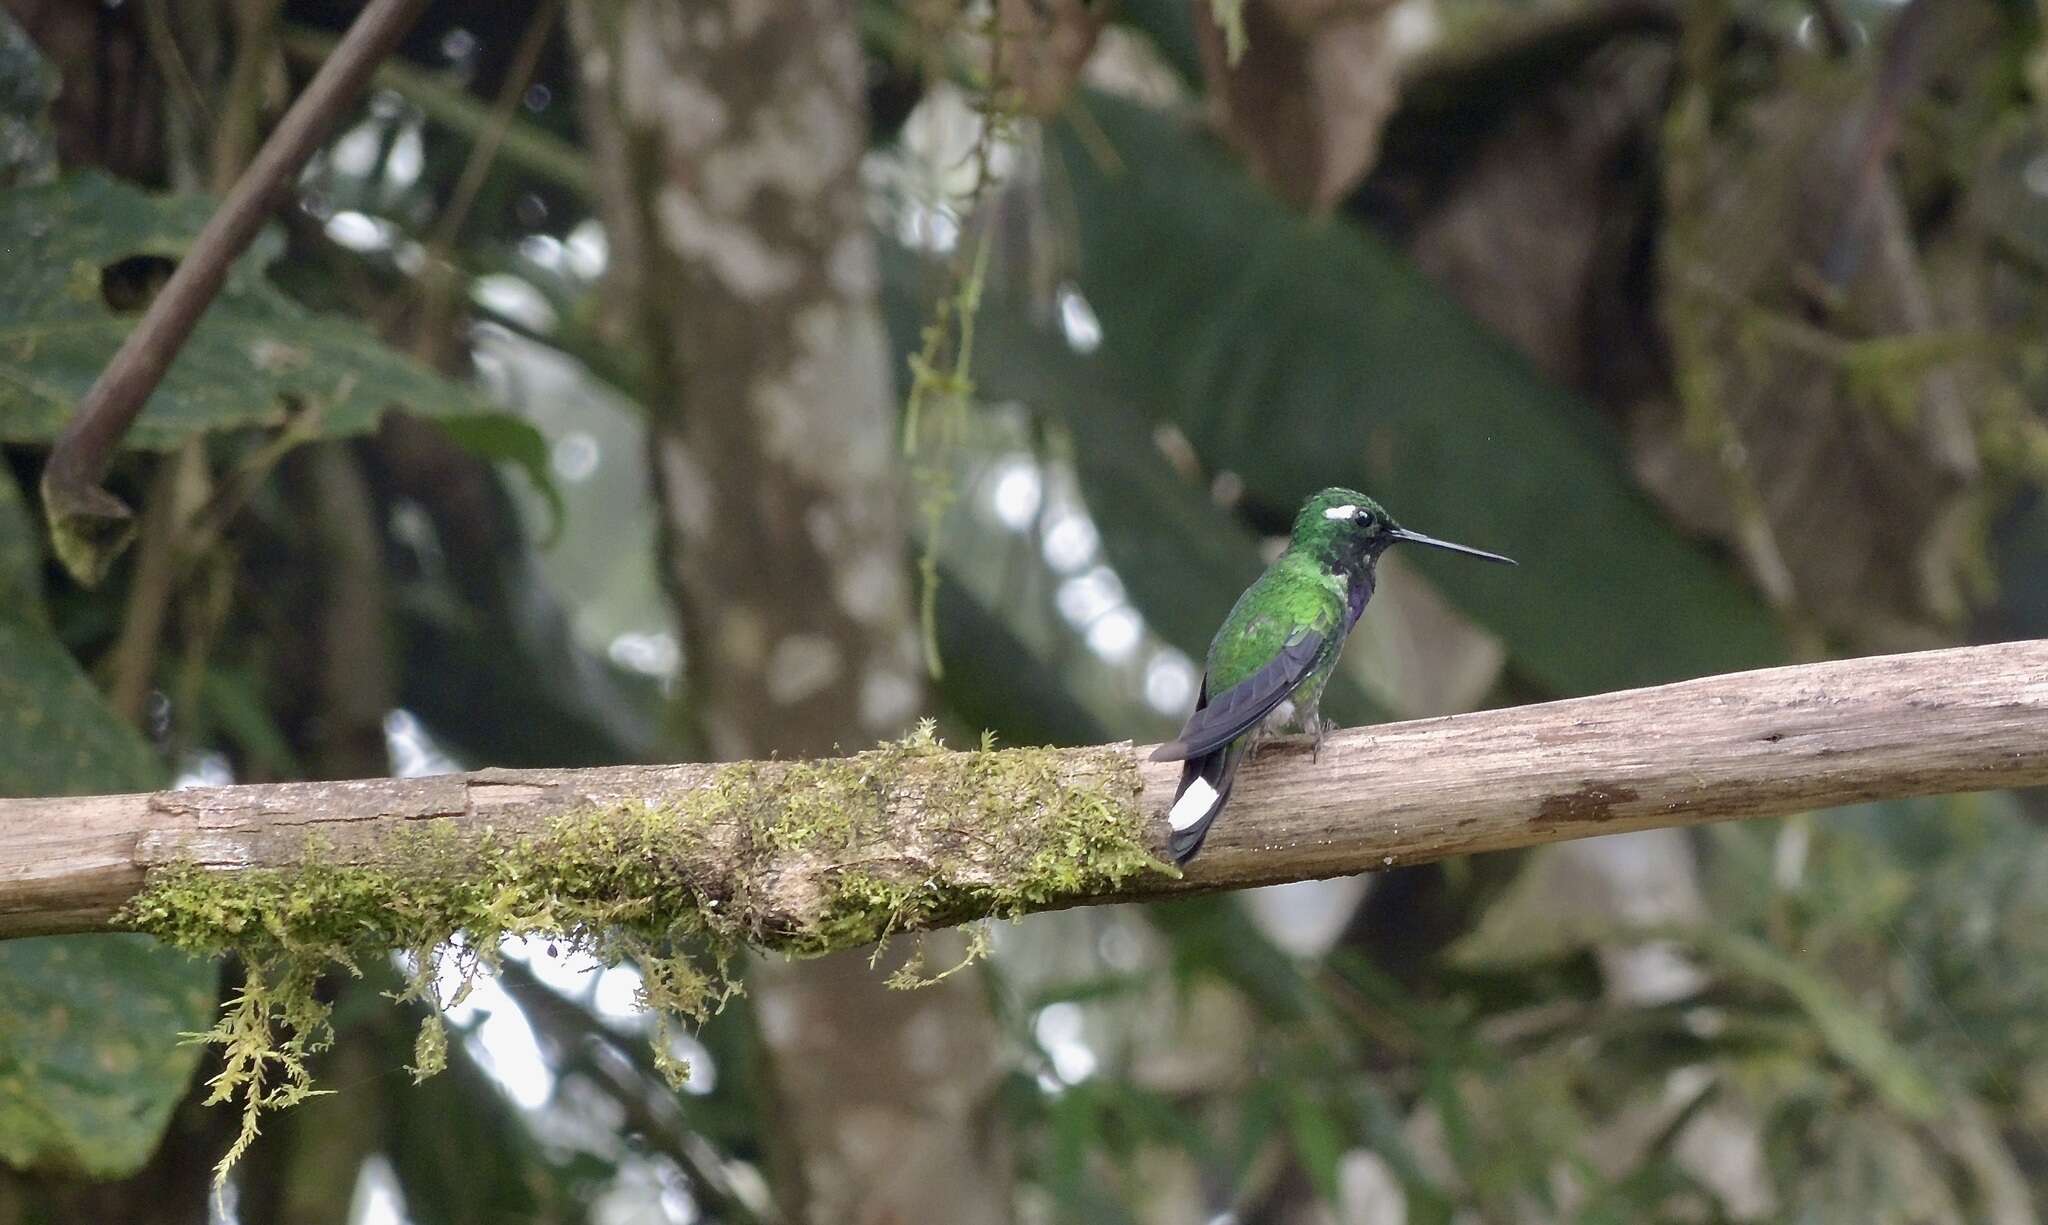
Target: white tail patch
1192 805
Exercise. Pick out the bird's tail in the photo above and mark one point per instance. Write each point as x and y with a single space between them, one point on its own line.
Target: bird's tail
1204 788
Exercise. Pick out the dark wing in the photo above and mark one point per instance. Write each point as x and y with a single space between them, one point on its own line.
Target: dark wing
1238 709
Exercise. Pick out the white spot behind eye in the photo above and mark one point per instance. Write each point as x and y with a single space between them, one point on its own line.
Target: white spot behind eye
1346 511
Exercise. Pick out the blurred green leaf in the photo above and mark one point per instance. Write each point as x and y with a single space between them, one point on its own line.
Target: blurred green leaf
21 588
2019 543
1868 1168
504 438
90 252
1851 1034
1211 936
1080 1127
57 737
1377 1120
1170 26
233 698
90 1059
491 666
1319 1140
1301 353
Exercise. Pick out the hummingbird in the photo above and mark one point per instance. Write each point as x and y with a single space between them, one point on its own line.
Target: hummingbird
1268 664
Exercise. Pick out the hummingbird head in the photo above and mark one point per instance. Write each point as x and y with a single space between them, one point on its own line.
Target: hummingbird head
1349 531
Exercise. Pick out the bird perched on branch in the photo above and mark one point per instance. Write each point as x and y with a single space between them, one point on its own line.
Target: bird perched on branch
1268 664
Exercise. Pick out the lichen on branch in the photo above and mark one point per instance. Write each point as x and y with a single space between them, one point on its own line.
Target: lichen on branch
798 857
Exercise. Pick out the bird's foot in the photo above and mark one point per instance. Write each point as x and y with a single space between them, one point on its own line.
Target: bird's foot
1294 742
1310 738
1323 727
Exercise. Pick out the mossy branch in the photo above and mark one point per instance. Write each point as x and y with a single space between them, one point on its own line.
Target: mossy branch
817 855
680 867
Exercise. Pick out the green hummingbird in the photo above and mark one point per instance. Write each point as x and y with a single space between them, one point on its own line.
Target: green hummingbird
1268 664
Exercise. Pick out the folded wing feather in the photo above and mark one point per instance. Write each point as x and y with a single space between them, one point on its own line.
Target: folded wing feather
1238 709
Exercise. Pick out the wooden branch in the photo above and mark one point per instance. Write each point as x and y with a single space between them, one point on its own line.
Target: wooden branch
90 526
1752 744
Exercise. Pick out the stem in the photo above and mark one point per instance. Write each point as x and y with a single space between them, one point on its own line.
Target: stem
441 274
90 526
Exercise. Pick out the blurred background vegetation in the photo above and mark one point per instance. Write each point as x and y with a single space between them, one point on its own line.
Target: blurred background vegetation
1723 316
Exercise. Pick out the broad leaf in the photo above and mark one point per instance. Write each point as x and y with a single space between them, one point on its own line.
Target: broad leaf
57 737
1300 354
90 1059
87 252
1852 1034
1167 23
1319 1140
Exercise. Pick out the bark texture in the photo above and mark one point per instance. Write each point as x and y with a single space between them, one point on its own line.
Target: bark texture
728 141
1750 744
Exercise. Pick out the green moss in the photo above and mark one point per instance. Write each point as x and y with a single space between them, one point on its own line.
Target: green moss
803 857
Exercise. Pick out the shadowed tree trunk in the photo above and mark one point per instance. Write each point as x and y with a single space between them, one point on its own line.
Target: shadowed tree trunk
728 144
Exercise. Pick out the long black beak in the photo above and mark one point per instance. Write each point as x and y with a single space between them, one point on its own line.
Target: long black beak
1402 533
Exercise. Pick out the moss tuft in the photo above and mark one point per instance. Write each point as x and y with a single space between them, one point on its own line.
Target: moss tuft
801 857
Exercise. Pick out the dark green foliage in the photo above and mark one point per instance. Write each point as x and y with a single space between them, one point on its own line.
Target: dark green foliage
1872 1015
91 1060
90 1055
57 736
93 250
1301 354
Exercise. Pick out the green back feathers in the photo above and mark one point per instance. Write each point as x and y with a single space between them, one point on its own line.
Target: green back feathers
1294 594
1303 590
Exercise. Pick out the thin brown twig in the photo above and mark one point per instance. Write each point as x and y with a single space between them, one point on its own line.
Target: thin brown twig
241 106
131 665
89 525
439 274
162 40
177 540
525 61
